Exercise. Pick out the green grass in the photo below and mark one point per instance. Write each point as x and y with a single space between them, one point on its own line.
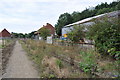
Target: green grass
0 46
59 63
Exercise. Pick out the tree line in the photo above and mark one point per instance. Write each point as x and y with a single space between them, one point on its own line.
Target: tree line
66 18
21 35
43 32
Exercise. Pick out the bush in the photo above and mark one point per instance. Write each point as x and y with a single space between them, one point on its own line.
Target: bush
76 33
44 32
106 35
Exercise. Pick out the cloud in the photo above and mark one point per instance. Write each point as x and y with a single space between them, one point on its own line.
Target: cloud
36 1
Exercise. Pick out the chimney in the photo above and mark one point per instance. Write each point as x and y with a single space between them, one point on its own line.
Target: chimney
48 24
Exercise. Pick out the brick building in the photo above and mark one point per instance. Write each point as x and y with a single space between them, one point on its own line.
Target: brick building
47 26
51 28
4 34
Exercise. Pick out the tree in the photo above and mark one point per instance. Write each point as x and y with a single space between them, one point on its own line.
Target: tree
63 20
118 6
113 4
14 35
18 35
76 16
102 5
44 32
21 35
76 33
26 35
104 10
31 35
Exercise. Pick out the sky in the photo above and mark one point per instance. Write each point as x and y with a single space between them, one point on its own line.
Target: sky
25 16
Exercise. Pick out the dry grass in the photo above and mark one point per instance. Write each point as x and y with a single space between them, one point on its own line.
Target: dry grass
42 54
51 63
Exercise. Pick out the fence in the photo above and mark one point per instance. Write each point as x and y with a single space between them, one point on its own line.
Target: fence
68 43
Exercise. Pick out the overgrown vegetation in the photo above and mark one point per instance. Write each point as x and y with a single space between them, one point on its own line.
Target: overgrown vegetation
49 59
89 62
43 55
106 34
76 34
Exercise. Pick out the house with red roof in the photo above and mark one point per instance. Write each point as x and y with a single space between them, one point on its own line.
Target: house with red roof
50 28
4 34
47 26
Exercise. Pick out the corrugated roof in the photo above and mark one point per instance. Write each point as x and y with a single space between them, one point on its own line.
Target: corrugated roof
111 14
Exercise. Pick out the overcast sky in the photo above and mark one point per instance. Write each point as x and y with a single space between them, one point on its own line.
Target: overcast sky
24 16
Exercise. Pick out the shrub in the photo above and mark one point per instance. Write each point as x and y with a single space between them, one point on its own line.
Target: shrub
76 33
106 35
44 32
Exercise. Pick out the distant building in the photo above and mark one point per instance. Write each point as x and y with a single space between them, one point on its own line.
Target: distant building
47 26
51 28
4 34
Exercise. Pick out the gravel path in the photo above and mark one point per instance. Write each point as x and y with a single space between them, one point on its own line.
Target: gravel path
19 66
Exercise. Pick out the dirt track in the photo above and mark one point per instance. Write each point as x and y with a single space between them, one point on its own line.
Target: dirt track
19 66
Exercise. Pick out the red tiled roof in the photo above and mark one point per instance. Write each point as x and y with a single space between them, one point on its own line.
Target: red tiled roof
51 28
5 33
